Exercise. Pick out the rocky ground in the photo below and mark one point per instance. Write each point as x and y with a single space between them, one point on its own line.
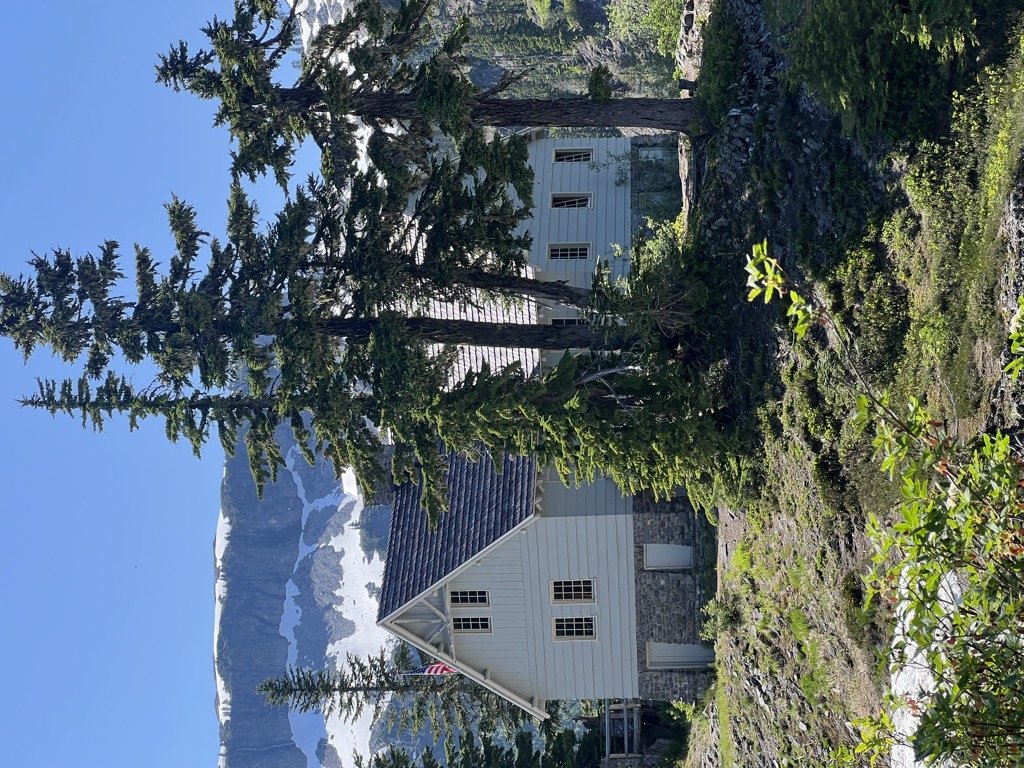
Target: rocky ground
798 667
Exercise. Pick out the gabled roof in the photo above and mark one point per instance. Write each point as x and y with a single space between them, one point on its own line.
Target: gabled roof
483 506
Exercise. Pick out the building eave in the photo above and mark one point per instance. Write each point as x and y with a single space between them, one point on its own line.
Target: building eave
463 567
470 672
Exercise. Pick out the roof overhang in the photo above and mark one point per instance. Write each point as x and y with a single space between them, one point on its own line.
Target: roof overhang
390 623
473 674
385 622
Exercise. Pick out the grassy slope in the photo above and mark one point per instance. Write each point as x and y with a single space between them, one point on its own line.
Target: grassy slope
897 225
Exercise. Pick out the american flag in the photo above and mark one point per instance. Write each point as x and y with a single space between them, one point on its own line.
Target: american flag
437 668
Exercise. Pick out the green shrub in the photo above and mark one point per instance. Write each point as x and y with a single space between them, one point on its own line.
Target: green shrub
720 615
953 559
571 9
870 299
647 24
721 64
882 66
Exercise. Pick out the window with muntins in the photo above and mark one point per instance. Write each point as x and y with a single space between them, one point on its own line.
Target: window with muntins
574 200
572 591
469 597
569 251
575 628
471 624
574 155
568 321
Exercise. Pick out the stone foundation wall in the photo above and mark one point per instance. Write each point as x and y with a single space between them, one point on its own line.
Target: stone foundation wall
668 603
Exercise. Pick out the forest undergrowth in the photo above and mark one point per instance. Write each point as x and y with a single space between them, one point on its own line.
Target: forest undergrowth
888 185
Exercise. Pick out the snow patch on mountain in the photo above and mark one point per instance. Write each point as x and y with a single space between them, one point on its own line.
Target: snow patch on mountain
220 545
331 562
314 14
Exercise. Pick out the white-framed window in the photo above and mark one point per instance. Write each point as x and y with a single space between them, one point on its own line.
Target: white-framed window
574 155
572 591
564 251
471 624
475 597
568 321
574 628
571 200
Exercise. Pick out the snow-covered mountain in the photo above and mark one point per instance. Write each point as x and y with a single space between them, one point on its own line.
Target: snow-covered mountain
297 576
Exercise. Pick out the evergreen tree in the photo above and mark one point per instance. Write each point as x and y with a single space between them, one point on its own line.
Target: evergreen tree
313 340
326 310
562 749
400 82
449 705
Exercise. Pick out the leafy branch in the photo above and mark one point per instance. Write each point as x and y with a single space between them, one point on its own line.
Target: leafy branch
952 565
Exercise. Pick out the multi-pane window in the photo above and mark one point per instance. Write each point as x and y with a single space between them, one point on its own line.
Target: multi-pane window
569 251
568 321
574 155
469 597
471 623
574 200
572 591
574 628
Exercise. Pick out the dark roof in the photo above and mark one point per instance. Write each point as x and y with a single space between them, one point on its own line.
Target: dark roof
483 507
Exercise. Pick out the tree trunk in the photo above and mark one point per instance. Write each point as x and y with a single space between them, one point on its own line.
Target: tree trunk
683 115
469 332
516 285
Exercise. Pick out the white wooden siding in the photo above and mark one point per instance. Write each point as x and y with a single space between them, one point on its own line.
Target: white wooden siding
579 542
503 652
584 533
604 223
607 222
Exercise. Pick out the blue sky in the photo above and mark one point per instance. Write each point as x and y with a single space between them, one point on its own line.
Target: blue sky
107 543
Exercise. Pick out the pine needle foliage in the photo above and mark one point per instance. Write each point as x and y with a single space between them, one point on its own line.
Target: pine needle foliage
447 705
319 320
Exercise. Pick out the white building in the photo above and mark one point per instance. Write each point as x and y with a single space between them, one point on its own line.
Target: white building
535 590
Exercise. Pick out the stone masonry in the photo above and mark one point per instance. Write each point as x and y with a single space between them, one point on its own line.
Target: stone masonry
668 603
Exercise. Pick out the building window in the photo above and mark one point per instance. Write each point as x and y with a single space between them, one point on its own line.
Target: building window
568 321
574 155
471 624
469 597
578 628
575 200
572 591
569 251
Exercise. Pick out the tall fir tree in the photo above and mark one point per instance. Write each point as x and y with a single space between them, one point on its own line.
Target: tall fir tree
324 351
447 706
321 320
408 87
562 748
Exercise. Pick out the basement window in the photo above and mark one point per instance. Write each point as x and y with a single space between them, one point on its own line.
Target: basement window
575 628
574 155
568 321
570 200
569 251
